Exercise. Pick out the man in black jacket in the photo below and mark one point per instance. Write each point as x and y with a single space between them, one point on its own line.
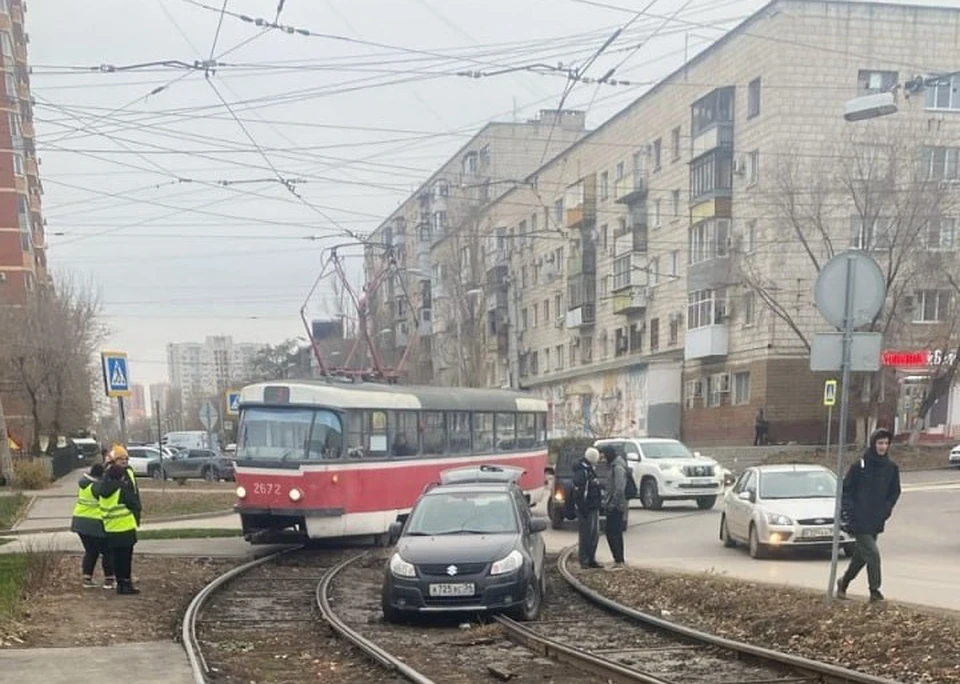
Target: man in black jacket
870 491
586 498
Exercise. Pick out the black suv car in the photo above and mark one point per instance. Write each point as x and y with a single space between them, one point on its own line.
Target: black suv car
470 544
560 505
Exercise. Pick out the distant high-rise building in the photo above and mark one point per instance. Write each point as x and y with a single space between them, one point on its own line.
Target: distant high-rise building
199 370
136 403
159 391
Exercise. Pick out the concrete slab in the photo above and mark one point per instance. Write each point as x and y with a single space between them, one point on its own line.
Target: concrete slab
144 663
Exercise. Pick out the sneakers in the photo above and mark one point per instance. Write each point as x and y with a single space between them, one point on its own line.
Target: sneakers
126 587
592 565
615 567
88 583
875 596
109 583
841 589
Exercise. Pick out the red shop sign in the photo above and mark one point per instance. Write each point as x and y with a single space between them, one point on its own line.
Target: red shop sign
906 359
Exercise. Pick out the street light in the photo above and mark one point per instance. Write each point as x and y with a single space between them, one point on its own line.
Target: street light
870 107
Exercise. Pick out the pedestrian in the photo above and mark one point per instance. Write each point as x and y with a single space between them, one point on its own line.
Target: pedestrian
871 489
120 506
87 522
586 498
122 458
615 504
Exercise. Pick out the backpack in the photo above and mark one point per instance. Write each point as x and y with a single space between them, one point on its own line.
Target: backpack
631 490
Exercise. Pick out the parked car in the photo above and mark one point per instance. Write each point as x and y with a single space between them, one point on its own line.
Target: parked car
666 470
146 461
198 463
560 504
954 458
89 449
782 506
470 544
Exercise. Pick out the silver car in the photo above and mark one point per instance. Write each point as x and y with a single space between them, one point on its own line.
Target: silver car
779 507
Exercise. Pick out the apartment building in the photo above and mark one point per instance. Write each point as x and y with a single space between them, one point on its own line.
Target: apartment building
658 274
431 302
198 371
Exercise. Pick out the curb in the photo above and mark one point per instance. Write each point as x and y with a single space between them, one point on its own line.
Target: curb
169 519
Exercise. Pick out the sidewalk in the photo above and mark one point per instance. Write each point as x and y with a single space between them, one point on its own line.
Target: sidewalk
153 662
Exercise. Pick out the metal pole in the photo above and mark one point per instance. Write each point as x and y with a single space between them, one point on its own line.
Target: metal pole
6 458
829 426
163 472
123 421
842 428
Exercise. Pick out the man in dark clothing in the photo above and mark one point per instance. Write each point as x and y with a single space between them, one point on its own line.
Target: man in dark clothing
615 503
586 498
871 489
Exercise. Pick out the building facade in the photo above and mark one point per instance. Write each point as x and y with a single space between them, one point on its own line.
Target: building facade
658 274
432 301
198 371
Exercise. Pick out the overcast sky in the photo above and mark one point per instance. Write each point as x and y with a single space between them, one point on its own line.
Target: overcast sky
173 206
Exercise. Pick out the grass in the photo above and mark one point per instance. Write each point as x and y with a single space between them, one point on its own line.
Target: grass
156 485
173 503
13 578
5 540
11 506
188 533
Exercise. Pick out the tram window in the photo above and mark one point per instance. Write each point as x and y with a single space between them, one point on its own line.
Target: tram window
482 433
375 434
354 435
458 432
434 433
326 440
541 428
506 431
526 430
406 436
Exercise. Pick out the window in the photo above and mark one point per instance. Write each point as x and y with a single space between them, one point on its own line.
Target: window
675 262
941 163
654 335
506 431
10 82
712 109
931 306
605 237
604 185
870 236
676 203
753 167
18 167
675 143
753 98
6 44
741 388
434 433
406 434
26 242
458 432
674 330
706 307
16 130
656 213
711 172
482 433
750 237
657 153
622 271
546 311
709 239
559 356
619 170
374 442
941 234
546 360
558 304
439 221
749 306
692 390
653 272
283 433
470 163
526 430
484 157
943 95
873 82
714 395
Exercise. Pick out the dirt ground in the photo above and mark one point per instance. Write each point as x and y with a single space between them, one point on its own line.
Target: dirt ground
61 613
904 644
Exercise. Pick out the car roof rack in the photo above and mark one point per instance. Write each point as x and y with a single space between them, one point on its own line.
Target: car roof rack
490 473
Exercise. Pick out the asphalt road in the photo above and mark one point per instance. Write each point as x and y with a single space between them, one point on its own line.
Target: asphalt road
920 548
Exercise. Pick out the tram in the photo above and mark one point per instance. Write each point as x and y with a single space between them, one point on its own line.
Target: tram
328 460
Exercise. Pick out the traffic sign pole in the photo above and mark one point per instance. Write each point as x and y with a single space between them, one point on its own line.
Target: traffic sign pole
123 421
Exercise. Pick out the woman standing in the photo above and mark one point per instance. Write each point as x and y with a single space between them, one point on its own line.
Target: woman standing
120 507
87 522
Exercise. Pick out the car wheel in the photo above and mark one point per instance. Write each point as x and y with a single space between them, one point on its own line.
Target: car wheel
556 515
728 542
532 602
757 550
649 496
849 548
380 540
156 474
705 503
210 475
181 481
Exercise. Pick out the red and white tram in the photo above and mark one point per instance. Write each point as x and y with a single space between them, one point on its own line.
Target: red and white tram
331 459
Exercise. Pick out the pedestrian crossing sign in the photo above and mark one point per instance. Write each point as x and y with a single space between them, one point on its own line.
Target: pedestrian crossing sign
116 374
233 403
830 393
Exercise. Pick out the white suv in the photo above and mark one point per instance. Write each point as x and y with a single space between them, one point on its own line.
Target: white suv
665 470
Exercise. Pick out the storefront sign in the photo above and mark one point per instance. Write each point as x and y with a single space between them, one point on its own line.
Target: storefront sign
918 359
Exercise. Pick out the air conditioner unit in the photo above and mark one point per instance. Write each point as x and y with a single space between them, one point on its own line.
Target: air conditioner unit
559 322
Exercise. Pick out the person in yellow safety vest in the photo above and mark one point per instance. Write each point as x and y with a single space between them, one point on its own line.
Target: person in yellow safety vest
87 522
120 507
121 457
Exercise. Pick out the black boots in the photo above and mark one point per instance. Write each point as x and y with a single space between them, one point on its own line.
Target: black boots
875 595
842 588
126 587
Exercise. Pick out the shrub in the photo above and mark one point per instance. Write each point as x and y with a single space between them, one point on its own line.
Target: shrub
31 474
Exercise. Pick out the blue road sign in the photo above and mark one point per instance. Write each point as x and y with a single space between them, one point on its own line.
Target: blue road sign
116 374
233 403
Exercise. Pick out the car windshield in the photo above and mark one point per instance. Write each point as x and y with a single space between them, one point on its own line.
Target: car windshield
289 434
463 513
665 450
799 484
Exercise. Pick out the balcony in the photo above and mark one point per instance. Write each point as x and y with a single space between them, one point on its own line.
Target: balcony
20 52
630 301
706 342
583 261
581 300
718 135
581 202
633 187
628 270
711 175
16 14
581 317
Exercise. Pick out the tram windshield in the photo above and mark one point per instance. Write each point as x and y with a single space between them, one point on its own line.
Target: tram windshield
289 434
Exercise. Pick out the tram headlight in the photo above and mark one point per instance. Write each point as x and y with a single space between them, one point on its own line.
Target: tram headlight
241 492
400 567
295 494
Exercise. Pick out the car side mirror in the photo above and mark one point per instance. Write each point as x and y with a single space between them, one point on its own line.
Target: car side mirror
633 457
393 532
746 496
697 454
538 525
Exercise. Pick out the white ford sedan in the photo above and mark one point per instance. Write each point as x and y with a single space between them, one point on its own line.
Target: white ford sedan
781 506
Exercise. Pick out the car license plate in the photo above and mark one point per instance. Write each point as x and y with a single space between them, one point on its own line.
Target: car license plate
701 482
459 589
818 532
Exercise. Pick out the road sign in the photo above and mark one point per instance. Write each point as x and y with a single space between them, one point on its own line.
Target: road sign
830 393
208 416
868 284
116 374
826 352
233 403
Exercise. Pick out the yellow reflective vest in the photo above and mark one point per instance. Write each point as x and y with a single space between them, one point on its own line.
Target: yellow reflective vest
87 506
116 516
133 478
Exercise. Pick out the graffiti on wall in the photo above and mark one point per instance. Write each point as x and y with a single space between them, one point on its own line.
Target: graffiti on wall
602 405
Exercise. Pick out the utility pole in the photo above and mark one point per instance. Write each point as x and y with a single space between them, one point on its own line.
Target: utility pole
6 460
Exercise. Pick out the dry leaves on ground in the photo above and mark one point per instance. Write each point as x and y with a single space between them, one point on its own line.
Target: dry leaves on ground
888 640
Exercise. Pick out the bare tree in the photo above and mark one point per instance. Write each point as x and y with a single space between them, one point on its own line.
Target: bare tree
887 200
